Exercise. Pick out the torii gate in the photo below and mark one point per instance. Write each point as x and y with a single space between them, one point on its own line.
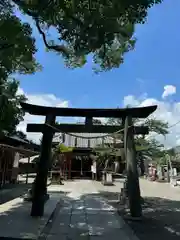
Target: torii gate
126 114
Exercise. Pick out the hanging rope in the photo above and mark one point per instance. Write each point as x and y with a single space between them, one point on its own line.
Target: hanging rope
83 137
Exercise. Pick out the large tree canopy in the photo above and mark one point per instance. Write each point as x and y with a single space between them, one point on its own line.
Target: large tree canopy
17 50
103 28
17 46
10 111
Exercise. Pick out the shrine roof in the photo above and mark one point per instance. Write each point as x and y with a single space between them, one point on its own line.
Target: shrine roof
138 112
16 141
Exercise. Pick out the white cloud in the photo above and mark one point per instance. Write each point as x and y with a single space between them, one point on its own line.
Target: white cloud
166 111
168 90
130 100
39 99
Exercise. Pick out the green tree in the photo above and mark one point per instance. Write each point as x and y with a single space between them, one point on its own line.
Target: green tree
157 126
152 147
149 146
21 135
17 55
102 28
10 111
97 121
17 46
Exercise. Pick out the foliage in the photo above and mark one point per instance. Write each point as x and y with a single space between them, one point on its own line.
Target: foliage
114 121
20 134
171 152
10 111
103 28
23 136
17 50
61 148
153 148
17 46
97 121
157 126
148 146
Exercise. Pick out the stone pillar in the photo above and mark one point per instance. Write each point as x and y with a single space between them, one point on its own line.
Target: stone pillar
133 189
40 186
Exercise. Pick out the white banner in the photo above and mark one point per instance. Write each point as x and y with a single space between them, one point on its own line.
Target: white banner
93 169
16 160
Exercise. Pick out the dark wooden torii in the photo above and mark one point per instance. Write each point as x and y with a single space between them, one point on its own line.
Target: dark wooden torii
50 113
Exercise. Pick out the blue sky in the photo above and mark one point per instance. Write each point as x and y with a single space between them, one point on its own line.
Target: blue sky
153 64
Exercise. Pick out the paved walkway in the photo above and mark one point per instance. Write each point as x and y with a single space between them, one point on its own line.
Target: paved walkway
86 215
161 214
16 222
12 191
79 212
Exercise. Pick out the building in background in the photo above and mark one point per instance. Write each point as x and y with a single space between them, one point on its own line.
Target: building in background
78 162
12 148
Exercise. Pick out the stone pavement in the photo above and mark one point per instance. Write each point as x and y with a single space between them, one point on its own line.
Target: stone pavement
86 215
16 222
76 210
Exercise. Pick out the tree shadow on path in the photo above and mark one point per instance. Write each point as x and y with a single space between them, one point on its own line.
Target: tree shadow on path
161 217
16 222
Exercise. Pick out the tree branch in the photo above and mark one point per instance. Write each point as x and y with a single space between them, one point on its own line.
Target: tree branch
58 48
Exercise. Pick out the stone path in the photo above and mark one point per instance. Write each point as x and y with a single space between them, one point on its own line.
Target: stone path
16 222
86 215
76 210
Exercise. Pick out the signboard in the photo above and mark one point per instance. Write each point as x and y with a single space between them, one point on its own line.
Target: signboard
109 177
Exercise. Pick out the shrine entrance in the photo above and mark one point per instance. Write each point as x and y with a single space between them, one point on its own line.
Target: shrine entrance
126 129
76 166
81 167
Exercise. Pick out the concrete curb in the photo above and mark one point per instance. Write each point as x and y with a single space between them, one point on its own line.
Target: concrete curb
47 228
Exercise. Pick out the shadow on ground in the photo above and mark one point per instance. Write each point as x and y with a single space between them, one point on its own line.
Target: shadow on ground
16 215
86 216
13 191
161 217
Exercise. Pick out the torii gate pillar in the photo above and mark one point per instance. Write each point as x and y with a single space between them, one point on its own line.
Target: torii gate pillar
133 189
40 186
